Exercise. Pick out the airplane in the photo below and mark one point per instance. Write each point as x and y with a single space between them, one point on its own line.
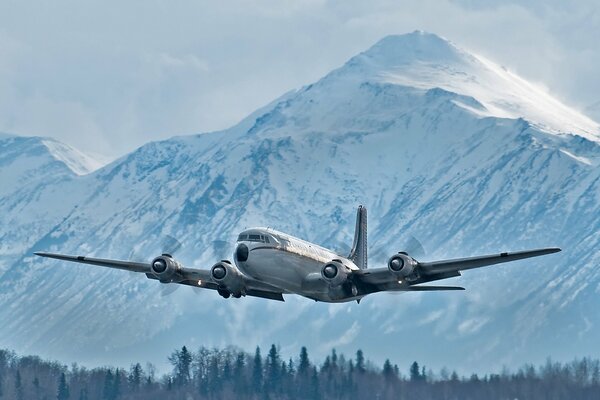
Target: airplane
269 264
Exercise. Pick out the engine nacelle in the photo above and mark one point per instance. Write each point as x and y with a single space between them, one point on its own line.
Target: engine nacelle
335 272
403 266
165 268
229 278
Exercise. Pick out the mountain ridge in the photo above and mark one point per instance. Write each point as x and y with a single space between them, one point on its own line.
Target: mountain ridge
464 182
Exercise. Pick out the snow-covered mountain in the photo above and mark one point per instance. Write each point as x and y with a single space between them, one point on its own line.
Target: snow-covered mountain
437 142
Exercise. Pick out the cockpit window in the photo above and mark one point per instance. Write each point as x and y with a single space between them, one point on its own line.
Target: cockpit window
254 238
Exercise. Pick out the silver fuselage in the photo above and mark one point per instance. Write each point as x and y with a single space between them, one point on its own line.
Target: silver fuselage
289 263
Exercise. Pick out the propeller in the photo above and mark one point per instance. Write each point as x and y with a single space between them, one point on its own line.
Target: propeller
223 249
412 246
168 245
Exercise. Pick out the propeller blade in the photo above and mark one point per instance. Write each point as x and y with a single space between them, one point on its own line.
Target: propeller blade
414 248
223 249
168 289
170 245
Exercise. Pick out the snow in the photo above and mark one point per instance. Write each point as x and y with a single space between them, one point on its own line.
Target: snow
434 62
77 161
415 128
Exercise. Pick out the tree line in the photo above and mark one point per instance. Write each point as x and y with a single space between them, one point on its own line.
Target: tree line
234 374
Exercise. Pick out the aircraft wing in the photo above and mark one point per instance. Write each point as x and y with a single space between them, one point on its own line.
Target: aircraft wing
200 278
379 279
461 264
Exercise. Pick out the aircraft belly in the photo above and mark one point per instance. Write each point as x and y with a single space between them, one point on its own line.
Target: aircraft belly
282 269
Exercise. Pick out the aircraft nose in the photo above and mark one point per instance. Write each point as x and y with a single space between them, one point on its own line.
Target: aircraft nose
241 253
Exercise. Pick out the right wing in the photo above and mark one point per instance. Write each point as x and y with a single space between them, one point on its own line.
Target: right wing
380 279
461 264
200 278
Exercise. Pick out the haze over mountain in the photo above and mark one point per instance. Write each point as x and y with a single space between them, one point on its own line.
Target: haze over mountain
437 142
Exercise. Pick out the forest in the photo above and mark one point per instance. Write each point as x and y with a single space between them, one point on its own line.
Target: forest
231 373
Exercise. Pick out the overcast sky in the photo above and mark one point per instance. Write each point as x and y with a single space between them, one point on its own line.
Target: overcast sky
108 76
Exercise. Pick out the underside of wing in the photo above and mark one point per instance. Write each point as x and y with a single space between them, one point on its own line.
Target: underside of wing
200 278
416 273
253 288
102 262
461 264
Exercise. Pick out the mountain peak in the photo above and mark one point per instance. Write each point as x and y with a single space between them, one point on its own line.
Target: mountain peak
426 61
416 46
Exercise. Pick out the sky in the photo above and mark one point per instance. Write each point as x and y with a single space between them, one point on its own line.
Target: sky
108 76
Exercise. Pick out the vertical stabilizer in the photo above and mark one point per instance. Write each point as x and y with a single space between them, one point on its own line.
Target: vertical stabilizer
358 254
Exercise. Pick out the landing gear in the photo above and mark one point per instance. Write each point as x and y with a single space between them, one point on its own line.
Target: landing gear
224 293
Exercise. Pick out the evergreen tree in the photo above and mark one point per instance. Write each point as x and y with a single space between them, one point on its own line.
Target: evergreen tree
36 387
109 382
214 380
135 376
18 385
334 360
63 388
226 370
239 375
415 374
182 362
360 361
388 370
1 391
273 369
83 394
257 372
315 392
116 391
304 363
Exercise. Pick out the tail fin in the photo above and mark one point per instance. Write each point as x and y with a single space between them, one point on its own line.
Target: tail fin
358 254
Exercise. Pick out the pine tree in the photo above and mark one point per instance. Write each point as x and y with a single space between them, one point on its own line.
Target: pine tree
36 386
83 394
107 391
214 380
1 392
239 385
273 369
304 363
135 376
360 361
415 374
315 392
18 385
116 392
182 362
63 388
257 372
388 370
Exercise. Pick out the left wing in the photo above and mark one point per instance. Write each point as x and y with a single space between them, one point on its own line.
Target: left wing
379 279
185 276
